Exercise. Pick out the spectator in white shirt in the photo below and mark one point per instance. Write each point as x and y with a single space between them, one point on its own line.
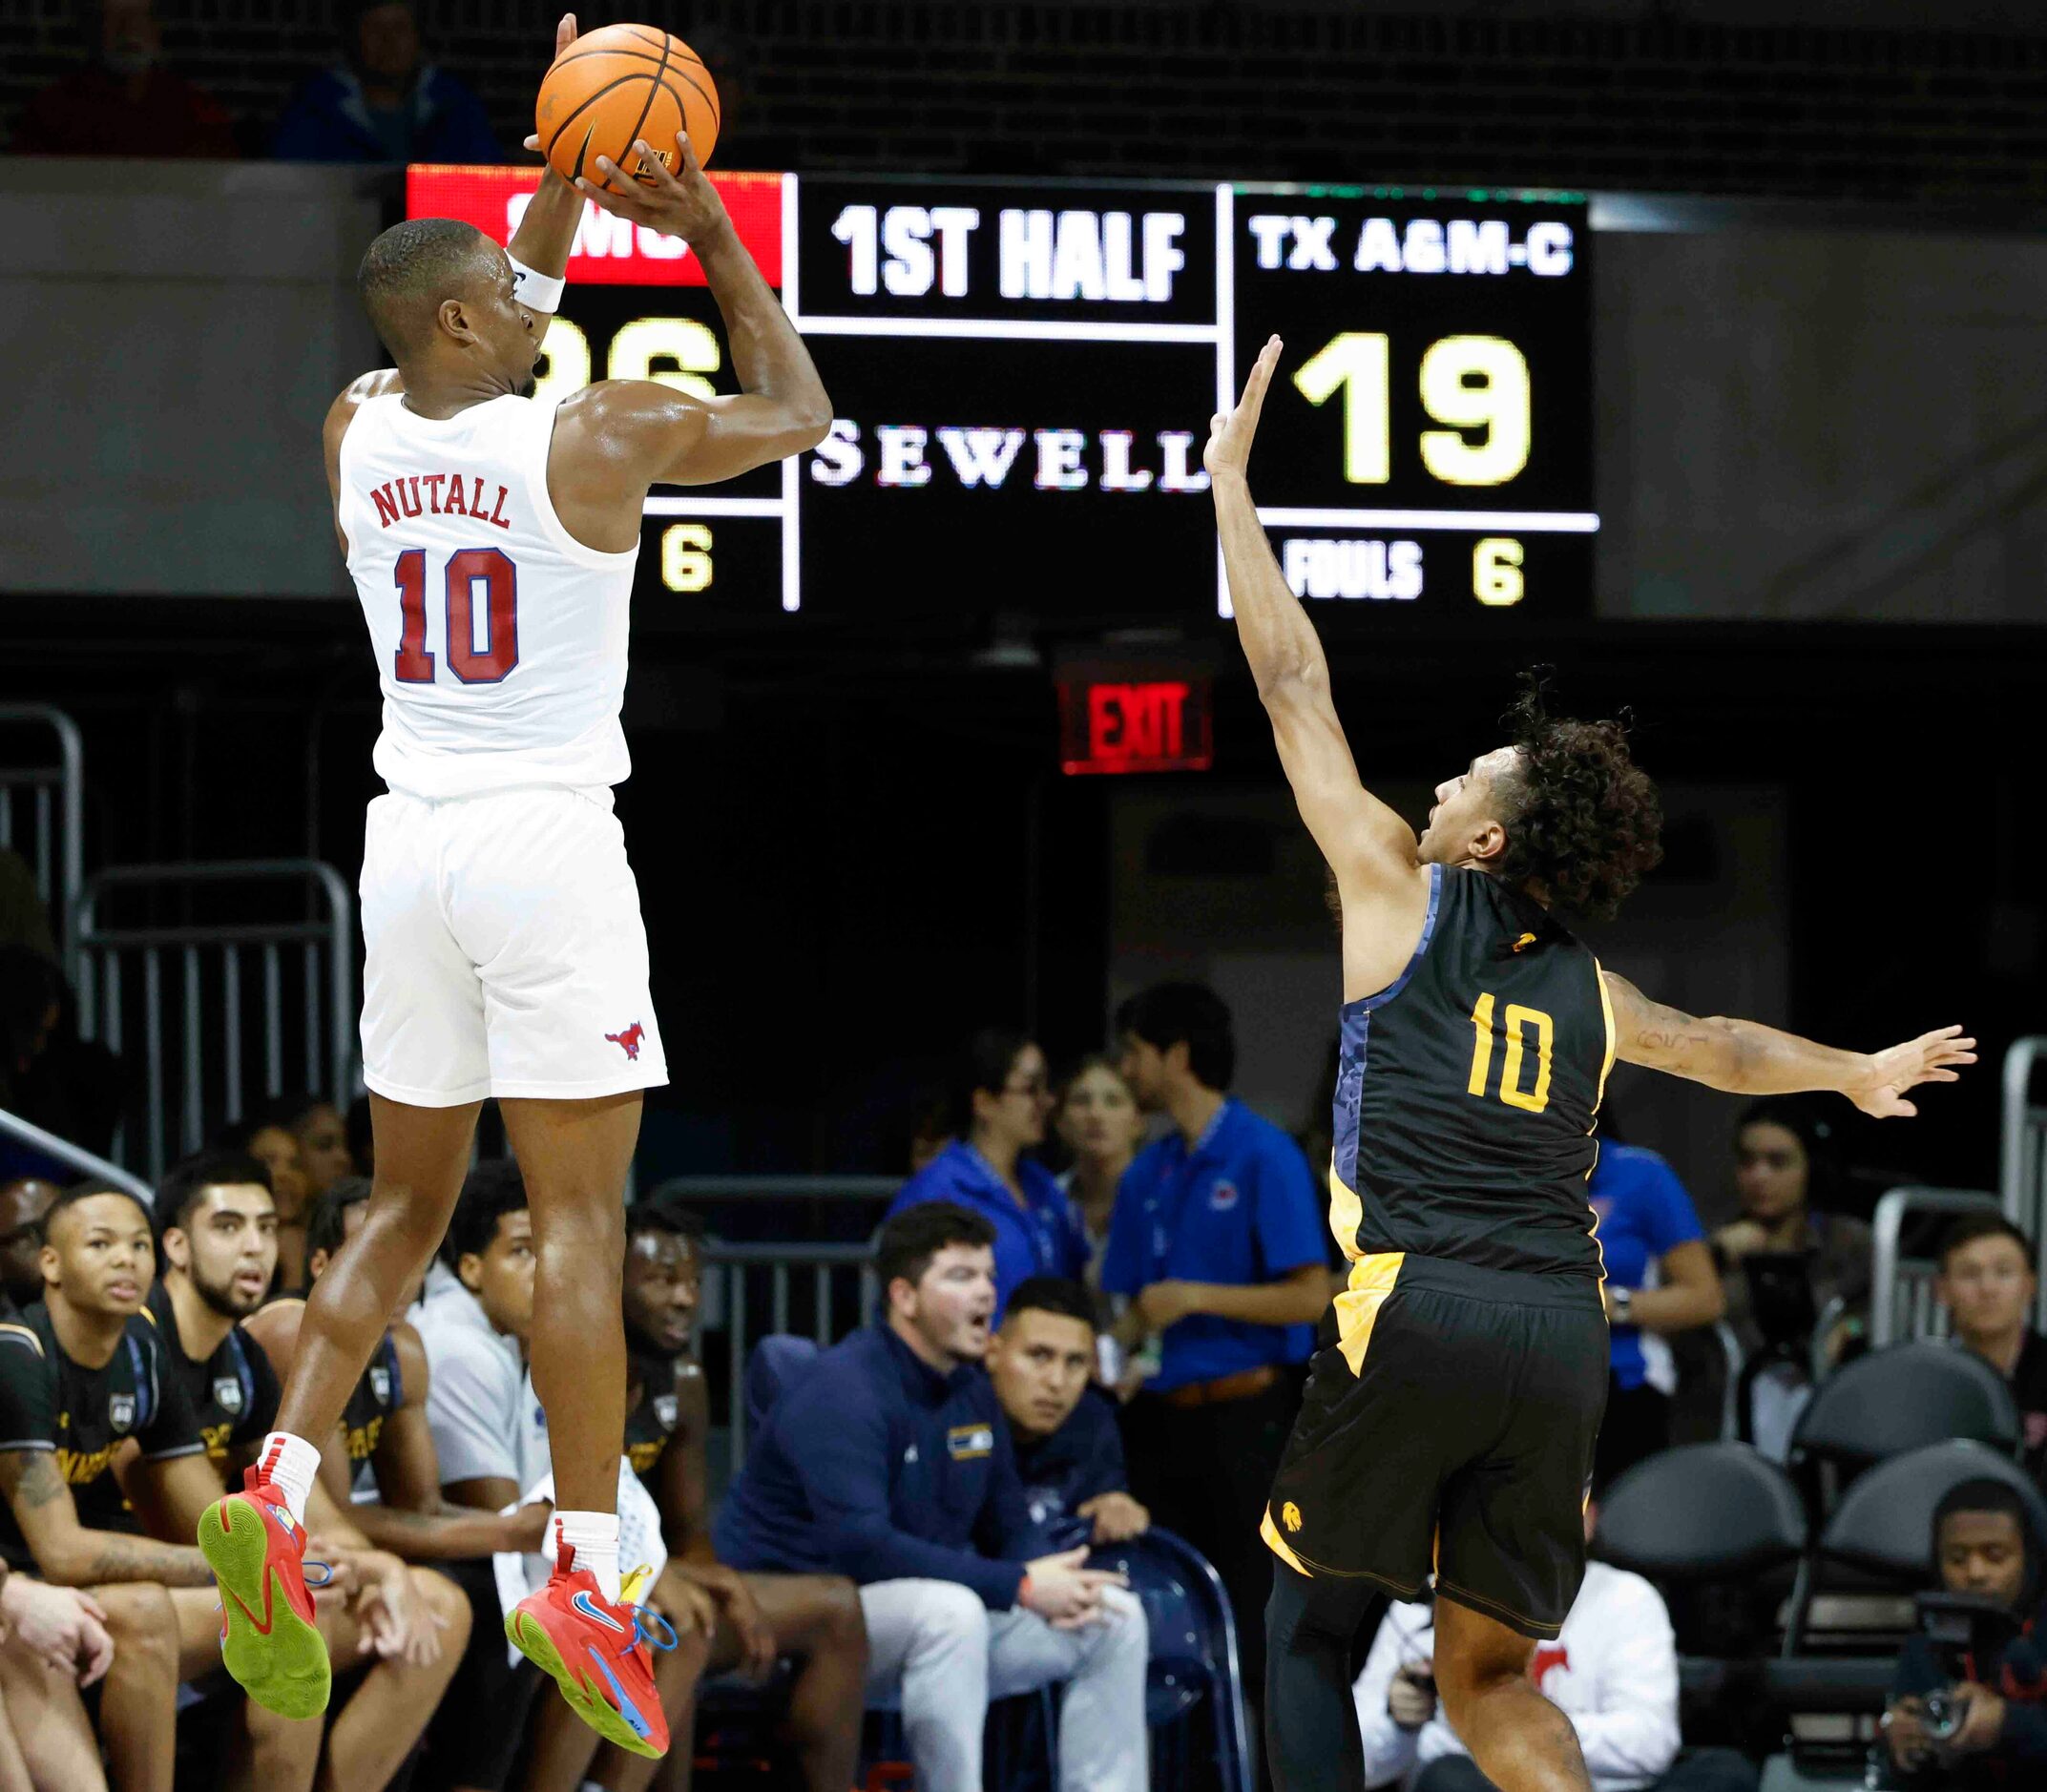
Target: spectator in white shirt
1613 1672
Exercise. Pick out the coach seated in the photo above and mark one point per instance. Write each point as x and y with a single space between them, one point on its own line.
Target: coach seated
1069 1453
1977 1717
1612 1671
890 1461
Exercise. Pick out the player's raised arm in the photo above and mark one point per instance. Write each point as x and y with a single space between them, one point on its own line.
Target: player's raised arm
1360 836
1747 1058
674 437
539 248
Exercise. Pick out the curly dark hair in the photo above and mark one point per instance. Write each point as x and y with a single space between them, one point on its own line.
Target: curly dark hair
1586 821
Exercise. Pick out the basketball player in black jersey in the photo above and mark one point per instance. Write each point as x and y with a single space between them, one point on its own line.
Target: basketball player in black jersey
758 1617
1450 1428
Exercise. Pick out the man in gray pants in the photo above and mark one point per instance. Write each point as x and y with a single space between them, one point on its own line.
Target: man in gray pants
890 1460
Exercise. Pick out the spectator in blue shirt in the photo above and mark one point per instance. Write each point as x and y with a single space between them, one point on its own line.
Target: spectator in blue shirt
1217 1235
890 1461
1069 1453
1002 1100
1660 1280
1101 1123
384 102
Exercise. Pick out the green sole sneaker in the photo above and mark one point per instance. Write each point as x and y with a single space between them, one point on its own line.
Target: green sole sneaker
530 1637
268 1641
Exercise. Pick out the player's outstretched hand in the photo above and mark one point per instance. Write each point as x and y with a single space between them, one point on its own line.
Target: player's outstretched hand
1930 1059
680 204
1230 432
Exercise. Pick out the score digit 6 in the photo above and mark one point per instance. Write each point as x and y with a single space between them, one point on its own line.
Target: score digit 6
1496 579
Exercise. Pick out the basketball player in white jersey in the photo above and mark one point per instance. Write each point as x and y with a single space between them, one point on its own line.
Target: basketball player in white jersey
491 538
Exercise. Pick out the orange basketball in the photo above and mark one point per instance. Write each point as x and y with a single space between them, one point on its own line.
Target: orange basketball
622 82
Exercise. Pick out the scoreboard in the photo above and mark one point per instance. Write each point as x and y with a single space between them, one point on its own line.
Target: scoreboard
1022 373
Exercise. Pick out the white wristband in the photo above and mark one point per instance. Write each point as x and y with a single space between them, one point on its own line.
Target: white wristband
536 291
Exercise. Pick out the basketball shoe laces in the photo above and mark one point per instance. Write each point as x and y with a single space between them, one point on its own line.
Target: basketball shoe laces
305 1568
259 1475
644 1616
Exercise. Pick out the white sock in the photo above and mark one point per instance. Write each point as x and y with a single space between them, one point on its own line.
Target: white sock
290 1464
594 1537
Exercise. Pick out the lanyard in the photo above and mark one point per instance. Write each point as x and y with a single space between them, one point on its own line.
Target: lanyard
1037 1220
1183 1175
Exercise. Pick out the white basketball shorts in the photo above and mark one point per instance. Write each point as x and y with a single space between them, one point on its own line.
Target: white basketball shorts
505 952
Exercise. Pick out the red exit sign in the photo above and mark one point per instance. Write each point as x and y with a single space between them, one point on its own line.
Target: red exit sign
1135 725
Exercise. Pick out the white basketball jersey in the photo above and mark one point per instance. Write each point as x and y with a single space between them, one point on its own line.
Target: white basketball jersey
500 639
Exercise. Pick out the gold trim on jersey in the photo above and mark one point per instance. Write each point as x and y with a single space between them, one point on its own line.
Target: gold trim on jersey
1606 1069
1347 1213
1357 1307
1277 1544
1606 1009
35 1343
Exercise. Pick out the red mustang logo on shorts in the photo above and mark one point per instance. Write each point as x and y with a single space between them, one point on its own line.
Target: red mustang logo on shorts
1548 1655
629 1040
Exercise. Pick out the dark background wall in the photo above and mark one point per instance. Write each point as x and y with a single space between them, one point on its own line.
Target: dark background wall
1886 98
848 858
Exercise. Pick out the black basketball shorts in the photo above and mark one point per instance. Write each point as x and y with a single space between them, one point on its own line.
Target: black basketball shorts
1449 1431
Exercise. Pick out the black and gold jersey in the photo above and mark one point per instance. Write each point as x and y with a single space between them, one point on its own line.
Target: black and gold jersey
652 1422
1468 1089
85 1416
378 1394
234 1393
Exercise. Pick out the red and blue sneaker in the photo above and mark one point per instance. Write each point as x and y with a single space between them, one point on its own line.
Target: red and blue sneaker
268 1640
598 1653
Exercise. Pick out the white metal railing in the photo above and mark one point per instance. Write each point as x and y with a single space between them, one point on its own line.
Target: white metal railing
791 1280
1901 1289
701 1191
72 1157
223 1014
50 834
2022 1153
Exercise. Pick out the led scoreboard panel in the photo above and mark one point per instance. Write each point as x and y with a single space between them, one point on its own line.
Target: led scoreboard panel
1022 373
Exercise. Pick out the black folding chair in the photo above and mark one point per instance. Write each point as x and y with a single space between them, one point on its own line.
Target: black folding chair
1890 1402
1883 1528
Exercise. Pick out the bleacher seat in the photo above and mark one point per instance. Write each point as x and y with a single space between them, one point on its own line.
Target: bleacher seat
1194 1668
1897 1400
1702 1512
1883 1527
776 1358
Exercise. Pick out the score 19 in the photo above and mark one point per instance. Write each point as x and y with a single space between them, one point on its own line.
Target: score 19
1468 383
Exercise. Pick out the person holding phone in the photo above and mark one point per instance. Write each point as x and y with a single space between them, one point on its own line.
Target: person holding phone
1613 1670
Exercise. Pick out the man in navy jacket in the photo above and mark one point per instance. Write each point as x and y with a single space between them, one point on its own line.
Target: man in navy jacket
1069 1453
890 1461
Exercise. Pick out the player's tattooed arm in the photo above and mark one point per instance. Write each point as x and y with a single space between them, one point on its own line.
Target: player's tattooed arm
1362 840
1745 1057
70 1555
